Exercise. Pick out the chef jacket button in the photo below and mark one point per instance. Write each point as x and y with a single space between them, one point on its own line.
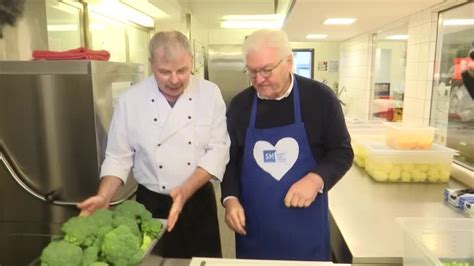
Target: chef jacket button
189 163
152 100
159 145
161 166
189 142
190 98
163 187
155 119
189 117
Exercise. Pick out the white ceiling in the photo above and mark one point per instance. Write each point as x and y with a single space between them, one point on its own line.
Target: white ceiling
307 16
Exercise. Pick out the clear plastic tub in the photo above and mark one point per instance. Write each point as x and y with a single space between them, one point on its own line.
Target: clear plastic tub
438 241
385 164
409 138
359 138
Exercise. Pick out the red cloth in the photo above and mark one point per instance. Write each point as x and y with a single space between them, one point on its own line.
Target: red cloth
74 54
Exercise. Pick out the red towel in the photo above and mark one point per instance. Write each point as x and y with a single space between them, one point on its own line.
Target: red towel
74 54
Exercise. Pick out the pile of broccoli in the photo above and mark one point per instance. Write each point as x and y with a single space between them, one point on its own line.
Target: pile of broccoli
118 237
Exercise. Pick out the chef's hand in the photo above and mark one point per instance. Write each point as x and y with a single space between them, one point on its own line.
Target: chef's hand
90 205
302 193
235 215
179 196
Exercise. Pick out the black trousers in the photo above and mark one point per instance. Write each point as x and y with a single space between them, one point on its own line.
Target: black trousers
196 233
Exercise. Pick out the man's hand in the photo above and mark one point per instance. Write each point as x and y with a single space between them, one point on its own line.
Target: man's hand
179 196
302 193
90 205
235 215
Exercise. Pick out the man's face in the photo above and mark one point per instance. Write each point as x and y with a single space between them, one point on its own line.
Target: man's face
172 73
269 73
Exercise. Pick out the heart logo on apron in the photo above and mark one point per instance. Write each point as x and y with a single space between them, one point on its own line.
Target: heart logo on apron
276 160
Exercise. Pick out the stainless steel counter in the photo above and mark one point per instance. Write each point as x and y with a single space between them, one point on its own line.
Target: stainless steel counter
363 213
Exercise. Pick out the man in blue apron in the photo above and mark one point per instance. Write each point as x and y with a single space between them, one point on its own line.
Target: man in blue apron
289 146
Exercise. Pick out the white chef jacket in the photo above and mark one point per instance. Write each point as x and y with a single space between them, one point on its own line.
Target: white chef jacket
163 144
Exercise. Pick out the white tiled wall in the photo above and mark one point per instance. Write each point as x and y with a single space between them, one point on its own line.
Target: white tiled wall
354 62
354 74
422 29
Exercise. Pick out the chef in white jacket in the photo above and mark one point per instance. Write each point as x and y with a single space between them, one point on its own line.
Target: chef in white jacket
170 129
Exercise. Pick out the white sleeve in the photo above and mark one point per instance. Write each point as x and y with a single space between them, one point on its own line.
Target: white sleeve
216 158
119 154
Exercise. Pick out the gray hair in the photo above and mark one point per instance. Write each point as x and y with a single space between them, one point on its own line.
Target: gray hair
169 40
267 39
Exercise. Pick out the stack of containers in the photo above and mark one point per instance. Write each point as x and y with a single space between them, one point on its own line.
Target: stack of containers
362 134
408 155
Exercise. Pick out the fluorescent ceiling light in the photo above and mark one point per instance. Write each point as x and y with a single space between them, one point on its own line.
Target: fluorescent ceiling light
339 21
252 21
146 7
316 36
119 11
459 22
397 37
253 17
63 27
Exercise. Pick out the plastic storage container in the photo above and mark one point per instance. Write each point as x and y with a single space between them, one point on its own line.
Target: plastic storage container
409 138
438 241
359 138
385 164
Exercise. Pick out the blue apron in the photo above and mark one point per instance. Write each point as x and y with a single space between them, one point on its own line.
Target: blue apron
273 230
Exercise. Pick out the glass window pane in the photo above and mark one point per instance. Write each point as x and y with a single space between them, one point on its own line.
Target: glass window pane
108 34
64 26
138 47
452 105
388 73
303 62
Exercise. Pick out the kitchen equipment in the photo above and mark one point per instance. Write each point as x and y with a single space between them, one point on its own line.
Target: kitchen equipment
405 137
385 164
53 129
437 241
226 65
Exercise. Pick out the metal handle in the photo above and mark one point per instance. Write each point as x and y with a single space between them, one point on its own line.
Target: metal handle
49 197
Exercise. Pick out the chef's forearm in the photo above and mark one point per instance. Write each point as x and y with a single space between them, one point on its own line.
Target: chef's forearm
197 179
109 185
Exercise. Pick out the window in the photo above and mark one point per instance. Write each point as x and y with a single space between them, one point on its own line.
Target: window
452 110
303 62
388 72
64 26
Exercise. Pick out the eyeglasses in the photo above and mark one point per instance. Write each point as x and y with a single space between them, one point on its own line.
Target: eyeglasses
265 72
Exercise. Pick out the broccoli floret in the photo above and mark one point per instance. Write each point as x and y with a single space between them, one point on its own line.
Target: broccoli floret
129 222
101 234
80 231
90 255
146 242
102 217
152 228
61 253
133 209
99 263
121 247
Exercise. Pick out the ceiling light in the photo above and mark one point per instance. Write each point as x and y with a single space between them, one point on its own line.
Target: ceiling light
397 37
459 22
252 21
316 36
339 21
146 7
62 27
120 11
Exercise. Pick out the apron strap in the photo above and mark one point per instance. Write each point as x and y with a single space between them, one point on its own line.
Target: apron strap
296 105
296 101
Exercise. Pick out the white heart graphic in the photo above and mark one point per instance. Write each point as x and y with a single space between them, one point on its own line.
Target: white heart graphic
276 160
